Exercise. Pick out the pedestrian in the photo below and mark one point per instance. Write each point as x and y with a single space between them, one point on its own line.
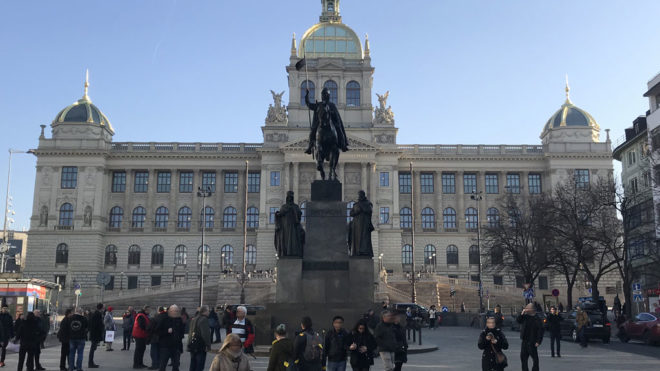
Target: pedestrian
492 341
554 325
7 325
199 339
582 320
28 336
141 335
42 337
231 357
109 324
185 318
362 348
227 319
335 346
244 329
401 353
76 331
385 335
170 336
96 333
372 320
281 353
213 323
531 334
462 307
63 337
432 315
154 335
499 317
308 347
127 327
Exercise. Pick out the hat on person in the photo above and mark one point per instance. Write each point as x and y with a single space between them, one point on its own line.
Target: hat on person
109 309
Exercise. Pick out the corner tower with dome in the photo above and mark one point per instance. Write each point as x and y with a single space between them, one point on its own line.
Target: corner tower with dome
129 209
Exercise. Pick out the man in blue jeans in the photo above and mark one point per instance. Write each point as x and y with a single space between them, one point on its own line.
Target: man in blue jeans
336 345
76 328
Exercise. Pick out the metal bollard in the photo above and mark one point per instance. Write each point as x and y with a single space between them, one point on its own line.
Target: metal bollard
420 335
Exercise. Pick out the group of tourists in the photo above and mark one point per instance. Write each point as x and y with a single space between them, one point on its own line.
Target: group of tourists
29 331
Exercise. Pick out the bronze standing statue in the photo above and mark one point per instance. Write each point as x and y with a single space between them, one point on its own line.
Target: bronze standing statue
360 228
289 234
327 135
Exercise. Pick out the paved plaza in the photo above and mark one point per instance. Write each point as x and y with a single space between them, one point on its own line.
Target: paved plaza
457 351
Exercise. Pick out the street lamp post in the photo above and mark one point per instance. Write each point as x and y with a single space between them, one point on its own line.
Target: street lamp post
476 196
203 193
173 269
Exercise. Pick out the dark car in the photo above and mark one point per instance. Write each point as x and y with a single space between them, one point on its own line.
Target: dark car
417 310
599 328
645 327
515 326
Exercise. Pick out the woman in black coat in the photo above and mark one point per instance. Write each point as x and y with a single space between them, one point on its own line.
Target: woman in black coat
492 340
363 346
281 353
401 353
29 335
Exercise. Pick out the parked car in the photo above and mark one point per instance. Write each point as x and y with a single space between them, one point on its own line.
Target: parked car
417 310
645 327
599 328
515 326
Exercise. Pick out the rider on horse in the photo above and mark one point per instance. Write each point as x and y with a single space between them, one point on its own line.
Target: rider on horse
326 104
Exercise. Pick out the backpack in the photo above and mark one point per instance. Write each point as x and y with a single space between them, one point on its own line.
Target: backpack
313 347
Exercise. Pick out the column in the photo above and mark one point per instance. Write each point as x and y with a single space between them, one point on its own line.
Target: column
363 176
296 179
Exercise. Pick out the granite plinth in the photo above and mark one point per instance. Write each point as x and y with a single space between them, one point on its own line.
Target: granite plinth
326 190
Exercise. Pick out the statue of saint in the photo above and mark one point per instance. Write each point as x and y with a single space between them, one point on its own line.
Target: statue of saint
360 228
326 110
43 216
289 234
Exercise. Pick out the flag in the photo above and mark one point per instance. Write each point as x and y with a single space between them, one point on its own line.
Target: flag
300 64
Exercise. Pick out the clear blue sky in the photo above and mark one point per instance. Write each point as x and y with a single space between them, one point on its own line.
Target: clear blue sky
464 71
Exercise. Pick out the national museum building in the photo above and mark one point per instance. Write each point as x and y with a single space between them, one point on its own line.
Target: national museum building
131 209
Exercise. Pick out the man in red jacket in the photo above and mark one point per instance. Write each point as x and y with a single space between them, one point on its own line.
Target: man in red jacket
140 334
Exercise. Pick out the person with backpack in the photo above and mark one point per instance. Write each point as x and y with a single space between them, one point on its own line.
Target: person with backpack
199 339
96 333
385 335
76 331
244 329
308 347
231 356
140 334
281 353
363 346
63 337
7 331
335 347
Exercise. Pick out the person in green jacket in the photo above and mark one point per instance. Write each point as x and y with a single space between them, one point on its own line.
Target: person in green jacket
200 330
281 353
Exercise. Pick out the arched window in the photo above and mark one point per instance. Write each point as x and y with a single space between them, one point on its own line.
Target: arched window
406 218
162 215
66 215
157 255
229 218
210 217
429 255
111 255
251 256
496 255
134 255
116 214
303 207
207 255
252 217
349 207
180 255
139 215
493 216
406 254
332 88
449 218
474 254
303 90
471 218
353 94
452 255
183 218
227 253
62 254
428 218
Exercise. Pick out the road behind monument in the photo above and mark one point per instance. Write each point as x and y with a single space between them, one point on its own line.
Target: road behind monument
457 351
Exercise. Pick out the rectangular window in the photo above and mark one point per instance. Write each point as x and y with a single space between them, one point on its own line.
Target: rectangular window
581 178
513 183
271 214
534 183
208 180
498 280
520 281
186 181
61 279
118 181
543 282
405 183
254 182
384 179
492 186
132 282
231 182
163 182
155 280
469 183
632 157
448 183
634 186
274 178
426 182
141 182
384 215
69 177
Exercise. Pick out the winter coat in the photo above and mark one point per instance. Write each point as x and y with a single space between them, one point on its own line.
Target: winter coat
531 329
127 321
213 319
401 352
335 346
582 319
154 324
96 327
280 352
7 326
223 362
29 333
554 323
109 321
385 335
141 325
299 345
200 326
488 359
499 319
75 329
170 339
366 359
